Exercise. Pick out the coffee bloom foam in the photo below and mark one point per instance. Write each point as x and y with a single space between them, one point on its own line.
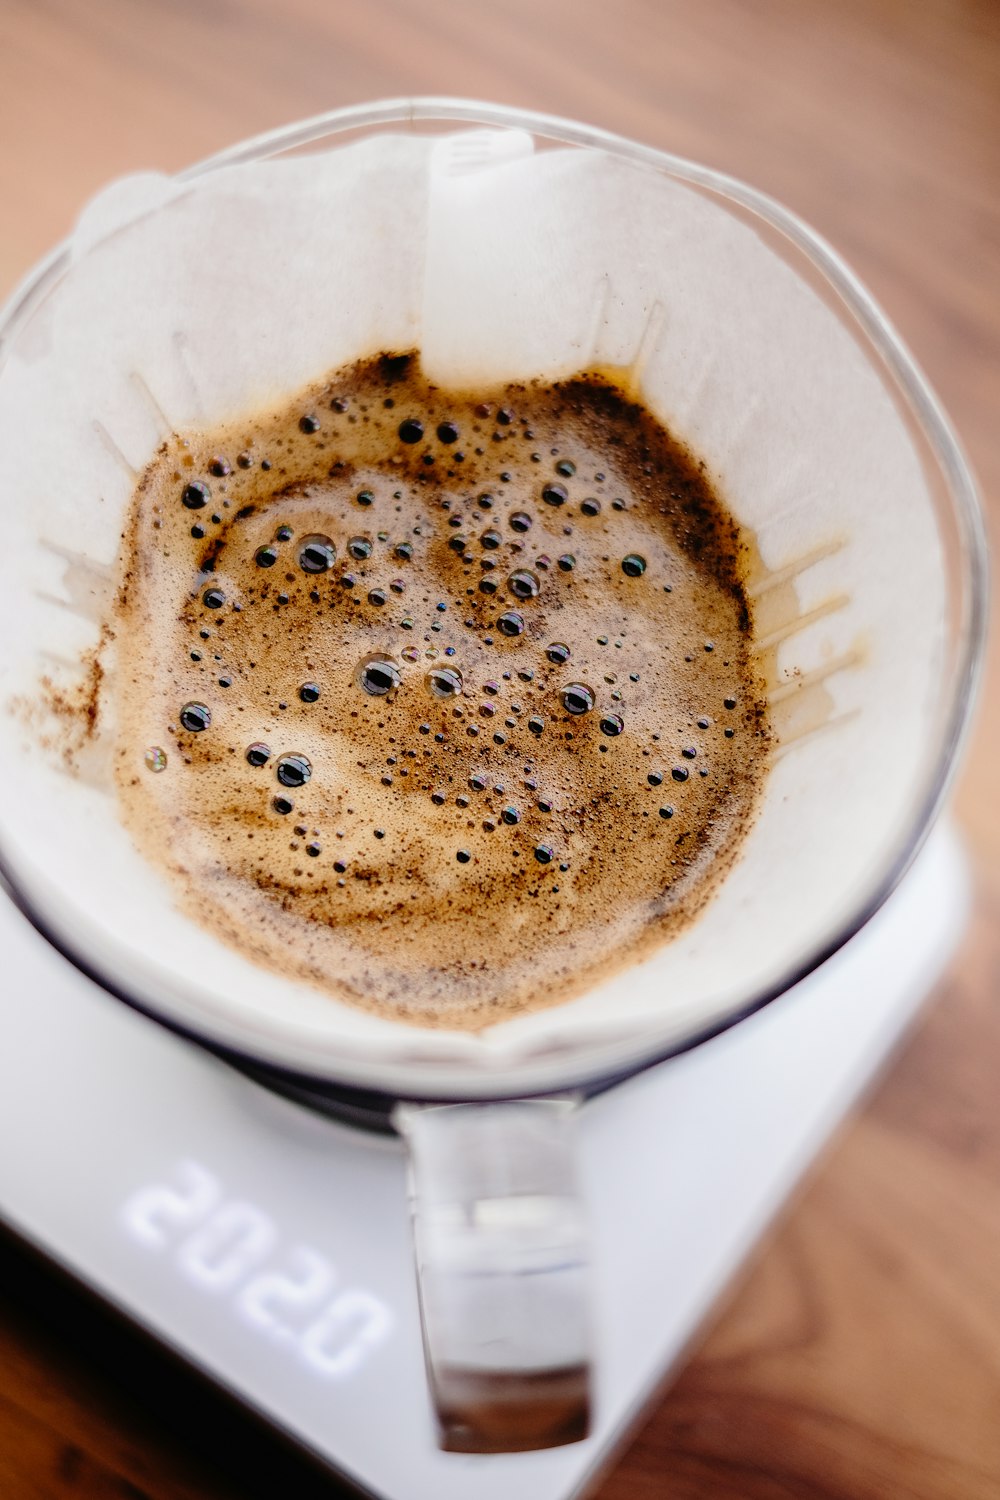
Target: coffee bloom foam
448 700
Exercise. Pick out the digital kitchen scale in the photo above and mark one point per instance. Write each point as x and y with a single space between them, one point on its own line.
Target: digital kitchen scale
270 1247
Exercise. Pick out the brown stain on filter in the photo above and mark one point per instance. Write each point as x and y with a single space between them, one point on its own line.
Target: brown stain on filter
364 886
801 704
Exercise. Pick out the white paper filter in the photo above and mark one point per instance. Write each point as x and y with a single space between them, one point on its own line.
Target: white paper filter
190 303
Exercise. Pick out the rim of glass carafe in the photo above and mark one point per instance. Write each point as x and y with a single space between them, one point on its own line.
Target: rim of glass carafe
960 695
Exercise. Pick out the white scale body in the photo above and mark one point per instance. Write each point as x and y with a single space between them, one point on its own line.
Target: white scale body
271 1247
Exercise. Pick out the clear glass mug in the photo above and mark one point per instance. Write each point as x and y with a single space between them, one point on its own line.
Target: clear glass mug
499 1230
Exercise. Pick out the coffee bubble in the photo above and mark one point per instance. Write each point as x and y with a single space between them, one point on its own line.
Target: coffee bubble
524 584
377 674
444 682
293 770
317 554
258 754
195 496
195 717
577 698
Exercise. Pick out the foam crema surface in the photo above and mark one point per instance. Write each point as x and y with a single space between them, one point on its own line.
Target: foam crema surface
444 702
192 306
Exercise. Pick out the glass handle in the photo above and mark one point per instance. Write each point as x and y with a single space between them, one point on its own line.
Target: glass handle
502 1269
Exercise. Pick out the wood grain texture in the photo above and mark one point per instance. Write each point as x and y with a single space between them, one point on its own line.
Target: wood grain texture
860 1358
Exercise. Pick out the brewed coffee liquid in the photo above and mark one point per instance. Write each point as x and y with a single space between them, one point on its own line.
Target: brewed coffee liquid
442 700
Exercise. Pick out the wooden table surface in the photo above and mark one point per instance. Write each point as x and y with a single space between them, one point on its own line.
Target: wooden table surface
859 1359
